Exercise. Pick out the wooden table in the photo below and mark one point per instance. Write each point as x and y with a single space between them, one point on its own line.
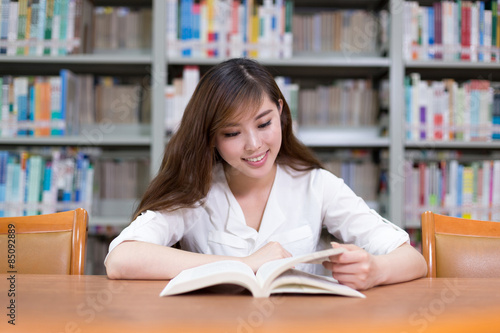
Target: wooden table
50 303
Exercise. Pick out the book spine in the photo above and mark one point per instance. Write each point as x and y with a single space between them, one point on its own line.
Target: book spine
171 27
34 9
482 31
56 115
474 32
21 104
21 24
31 107
185 26
47 202
42 10
467 192
70 27
494 19
63 27
431 32
495 115
438 29
495 190
3 181
56 27
4 122
4 25
49 14
408 107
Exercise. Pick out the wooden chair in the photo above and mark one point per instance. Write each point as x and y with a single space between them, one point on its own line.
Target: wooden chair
456 247
45 244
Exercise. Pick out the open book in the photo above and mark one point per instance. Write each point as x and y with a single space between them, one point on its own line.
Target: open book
277 276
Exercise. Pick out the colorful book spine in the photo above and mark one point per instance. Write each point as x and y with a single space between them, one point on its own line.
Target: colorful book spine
3 181
49 15
4 24
57 117
430 27
21 24
185 26
63 26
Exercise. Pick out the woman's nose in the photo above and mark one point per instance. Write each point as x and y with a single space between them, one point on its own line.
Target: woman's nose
253 141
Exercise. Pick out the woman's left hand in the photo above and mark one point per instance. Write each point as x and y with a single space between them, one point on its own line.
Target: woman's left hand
354 268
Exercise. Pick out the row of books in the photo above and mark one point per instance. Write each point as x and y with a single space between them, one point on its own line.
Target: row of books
451 187
452 30
121 178
62 105
122 28
38 106
445 110
43 183
45 27
358 171
229 28
343 31
344 103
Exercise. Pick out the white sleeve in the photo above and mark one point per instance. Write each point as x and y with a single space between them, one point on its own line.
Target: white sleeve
153 227
348 218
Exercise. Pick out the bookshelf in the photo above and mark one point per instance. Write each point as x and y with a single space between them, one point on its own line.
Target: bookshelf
437 156
156 66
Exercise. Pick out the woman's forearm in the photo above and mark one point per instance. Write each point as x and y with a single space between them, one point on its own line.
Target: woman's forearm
403 264
141 260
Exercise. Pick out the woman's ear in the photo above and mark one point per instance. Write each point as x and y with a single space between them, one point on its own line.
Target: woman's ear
280 101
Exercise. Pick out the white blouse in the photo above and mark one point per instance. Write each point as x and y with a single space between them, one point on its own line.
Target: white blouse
299 206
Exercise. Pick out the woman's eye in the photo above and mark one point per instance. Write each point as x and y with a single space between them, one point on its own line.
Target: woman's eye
265 124
229 135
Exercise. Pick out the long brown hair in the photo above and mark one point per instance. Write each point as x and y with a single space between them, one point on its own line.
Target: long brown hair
235 85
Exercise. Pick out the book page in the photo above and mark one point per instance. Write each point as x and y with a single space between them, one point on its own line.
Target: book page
270 270
220 272
295 281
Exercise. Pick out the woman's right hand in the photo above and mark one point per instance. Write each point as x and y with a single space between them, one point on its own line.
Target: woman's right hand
270 251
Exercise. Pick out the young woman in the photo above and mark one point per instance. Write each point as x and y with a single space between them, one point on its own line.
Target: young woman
235 183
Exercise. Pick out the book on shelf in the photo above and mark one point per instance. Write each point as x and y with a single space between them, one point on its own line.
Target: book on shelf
350 35
357 169
454 187
122 28
277 276
343 103
210 29
44 182
445 110
45 27
69 103
452 30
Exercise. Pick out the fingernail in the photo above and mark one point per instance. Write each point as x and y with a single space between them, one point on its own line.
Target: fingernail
334 243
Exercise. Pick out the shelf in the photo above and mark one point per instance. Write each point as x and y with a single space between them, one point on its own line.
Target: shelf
79 140
346 4
108 221
451 64
306 61
110 64
452 145
309 66
433 70
113 59
343 137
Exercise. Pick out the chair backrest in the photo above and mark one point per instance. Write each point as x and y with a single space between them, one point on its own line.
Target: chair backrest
44 244
457 247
